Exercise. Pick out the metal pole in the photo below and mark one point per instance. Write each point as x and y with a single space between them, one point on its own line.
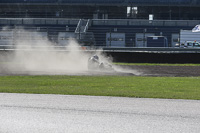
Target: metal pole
144 37
110 37
79 37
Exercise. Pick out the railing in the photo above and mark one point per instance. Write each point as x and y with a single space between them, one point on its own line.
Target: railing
126 22
38 21
87 25
78 28
137 22
42 48
82 26
92 49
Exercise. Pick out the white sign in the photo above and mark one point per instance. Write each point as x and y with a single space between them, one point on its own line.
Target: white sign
196 28
155 38
150 16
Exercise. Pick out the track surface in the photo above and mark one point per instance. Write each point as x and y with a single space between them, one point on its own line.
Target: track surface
22 113
171 71
168 71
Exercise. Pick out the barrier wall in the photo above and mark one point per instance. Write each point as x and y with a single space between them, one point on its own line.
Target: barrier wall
133 57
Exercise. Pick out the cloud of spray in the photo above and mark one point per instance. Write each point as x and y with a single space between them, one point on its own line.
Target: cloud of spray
40 56
34 54
127 70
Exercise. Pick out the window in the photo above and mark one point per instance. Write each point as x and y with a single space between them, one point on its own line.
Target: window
115 39
196 45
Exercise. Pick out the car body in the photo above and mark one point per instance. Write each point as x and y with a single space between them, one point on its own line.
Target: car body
192 44
188 44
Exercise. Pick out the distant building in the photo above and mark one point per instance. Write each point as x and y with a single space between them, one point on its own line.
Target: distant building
101 9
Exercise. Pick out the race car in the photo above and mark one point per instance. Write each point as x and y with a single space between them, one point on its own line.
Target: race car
95 64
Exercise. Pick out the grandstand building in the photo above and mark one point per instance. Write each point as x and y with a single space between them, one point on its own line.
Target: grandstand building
101 9
121 23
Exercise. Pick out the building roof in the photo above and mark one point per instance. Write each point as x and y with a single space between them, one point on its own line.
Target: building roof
108 2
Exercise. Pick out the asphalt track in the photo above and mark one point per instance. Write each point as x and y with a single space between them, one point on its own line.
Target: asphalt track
22 113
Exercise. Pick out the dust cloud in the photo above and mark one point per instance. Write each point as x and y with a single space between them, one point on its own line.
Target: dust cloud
127 71
35 55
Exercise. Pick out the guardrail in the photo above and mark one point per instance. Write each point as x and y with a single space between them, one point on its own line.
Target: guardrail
153 50
103 49
38 21
62 21
137 22
48 48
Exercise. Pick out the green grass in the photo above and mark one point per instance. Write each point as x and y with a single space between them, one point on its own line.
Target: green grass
155 64
123 86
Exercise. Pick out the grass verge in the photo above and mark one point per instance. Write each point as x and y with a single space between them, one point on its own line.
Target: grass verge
123 86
